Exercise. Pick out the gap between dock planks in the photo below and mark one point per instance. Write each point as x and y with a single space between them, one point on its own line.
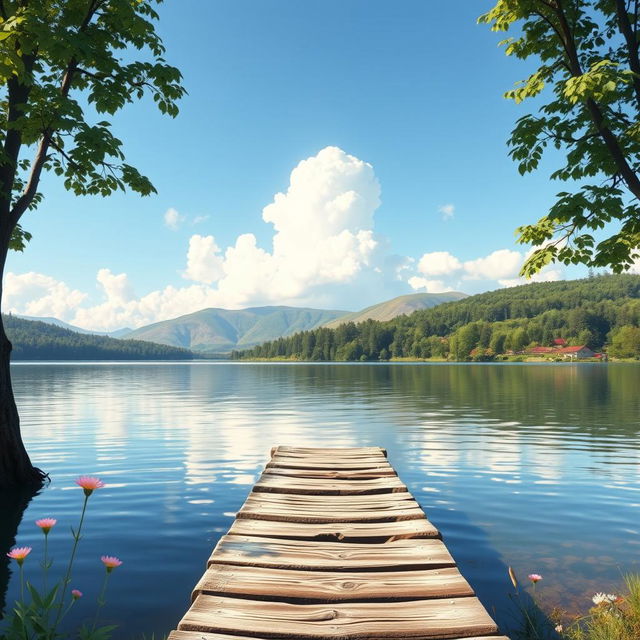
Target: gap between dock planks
331 545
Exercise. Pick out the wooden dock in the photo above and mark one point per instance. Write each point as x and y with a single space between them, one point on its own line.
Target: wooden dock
330 544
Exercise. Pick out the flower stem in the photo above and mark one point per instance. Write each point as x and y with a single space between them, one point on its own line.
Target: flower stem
21 583
67 575
46 562
101 600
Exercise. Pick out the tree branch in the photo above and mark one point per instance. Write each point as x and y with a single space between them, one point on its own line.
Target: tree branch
31 188
632 45
609 138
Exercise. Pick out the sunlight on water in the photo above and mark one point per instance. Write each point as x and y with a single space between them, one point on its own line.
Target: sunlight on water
532 466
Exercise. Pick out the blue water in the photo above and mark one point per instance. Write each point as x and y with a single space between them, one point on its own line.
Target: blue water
533 466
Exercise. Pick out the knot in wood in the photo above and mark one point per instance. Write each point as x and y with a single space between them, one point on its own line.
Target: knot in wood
348 585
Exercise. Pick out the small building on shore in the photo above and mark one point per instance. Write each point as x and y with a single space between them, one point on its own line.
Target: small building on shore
568 353
576 353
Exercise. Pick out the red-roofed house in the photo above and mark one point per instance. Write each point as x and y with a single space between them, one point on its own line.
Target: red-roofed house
576 352
560 342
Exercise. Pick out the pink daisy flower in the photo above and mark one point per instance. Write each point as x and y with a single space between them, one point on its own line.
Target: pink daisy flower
76 594
89 484
534 577
19 554
110 562
46 524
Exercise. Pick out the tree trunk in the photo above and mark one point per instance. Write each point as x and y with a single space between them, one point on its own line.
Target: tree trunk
15 467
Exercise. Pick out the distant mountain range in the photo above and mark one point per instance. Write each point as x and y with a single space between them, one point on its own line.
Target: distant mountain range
219 331
403 305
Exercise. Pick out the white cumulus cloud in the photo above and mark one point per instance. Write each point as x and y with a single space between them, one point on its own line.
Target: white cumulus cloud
503 263
438 263
36 294
204 262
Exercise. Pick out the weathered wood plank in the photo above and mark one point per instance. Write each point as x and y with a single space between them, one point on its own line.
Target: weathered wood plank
279 484
345 474
367 500
335 556
342 531
199 635
329 451
418 620
327 586
337 513
338 465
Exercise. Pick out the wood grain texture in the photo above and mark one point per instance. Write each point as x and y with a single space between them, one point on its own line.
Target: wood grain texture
199 635
327 586
335 556
342 474
282 484
339 464
330 545
340 531
352 452
385 512
418 620
329 502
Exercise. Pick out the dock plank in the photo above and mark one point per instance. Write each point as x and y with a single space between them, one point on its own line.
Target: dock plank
327 586
199 635
278 484
418 620
342 531
378 512
414 553
342 474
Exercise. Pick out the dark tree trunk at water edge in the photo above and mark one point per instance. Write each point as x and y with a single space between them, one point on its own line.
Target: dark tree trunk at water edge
15 466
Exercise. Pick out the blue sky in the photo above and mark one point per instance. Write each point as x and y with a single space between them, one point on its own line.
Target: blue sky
405 99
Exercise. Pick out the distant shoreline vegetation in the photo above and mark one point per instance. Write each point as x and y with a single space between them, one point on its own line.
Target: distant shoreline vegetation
33 340
599 313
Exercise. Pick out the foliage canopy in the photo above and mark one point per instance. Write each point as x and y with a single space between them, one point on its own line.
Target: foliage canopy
64 66
589 72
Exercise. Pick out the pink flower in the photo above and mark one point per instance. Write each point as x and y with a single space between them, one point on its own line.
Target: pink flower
110 562
76 594
89 484
19 554
534 577
46 524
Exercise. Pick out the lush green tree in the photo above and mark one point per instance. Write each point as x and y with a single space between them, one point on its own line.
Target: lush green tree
588 68
65 66
625 343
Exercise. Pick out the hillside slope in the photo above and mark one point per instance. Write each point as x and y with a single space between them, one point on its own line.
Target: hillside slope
65 325
221 330
593 312
34 340
402 305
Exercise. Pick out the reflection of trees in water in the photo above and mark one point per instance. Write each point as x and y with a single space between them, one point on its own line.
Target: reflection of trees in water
12 507
602 397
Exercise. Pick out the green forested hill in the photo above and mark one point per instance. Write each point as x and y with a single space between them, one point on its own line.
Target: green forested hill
402 305
42 341
593 311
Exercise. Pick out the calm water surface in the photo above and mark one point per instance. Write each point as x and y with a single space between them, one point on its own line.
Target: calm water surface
534 466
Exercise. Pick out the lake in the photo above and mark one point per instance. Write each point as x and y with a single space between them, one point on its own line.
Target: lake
536 466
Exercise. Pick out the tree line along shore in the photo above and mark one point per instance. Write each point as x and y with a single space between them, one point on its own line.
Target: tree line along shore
601 313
